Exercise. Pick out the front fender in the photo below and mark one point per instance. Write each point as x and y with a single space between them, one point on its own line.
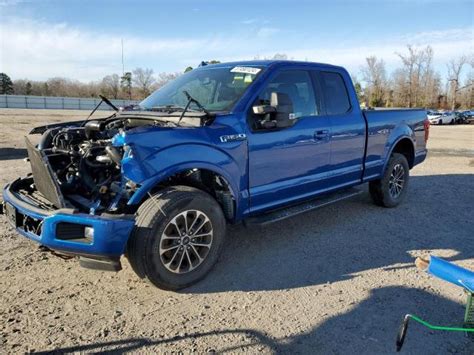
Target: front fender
169 161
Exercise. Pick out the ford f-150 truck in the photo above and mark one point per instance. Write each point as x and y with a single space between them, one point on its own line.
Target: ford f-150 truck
250 142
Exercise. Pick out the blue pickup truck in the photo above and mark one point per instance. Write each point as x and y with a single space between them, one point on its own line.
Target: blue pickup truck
252 142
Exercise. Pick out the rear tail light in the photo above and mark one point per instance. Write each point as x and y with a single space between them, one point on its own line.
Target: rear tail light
426 125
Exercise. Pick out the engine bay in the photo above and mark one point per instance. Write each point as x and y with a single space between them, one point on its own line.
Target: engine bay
86 166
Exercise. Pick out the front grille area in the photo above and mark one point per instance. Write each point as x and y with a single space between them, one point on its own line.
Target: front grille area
24 222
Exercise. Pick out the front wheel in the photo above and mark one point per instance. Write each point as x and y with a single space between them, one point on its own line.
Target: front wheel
177 238
391 189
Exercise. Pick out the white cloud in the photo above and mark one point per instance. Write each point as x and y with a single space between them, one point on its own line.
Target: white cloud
10 2
255 21
266 32
38 50
249 21
447 44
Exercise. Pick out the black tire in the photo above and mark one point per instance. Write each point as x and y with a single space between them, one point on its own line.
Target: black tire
380 190
156 214
440 122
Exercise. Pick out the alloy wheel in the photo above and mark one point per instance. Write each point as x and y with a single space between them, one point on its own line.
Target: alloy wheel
396 181
186 241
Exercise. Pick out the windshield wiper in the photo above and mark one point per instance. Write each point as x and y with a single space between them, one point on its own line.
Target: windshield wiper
198 104
190 101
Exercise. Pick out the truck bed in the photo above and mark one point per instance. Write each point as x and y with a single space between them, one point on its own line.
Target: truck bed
385 127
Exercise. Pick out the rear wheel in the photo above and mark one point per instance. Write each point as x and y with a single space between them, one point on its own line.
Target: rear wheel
391 189
177 238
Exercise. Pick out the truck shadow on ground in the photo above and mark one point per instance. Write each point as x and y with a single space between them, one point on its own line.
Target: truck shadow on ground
370 327
333 243
13 153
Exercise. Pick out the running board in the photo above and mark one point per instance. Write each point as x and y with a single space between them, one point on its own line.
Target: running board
311 205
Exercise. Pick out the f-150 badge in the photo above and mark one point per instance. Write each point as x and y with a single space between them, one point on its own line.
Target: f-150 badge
233 137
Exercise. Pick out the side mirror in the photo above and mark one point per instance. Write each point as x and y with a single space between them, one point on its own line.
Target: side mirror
280 111
283 105
263 109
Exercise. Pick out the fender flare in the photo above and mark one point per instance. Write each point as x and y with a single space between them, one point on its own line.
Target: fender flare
216 161
147 185
392 147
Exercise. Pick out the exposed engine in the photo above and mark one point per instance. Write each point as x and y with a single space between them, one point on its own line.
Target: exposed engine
85 164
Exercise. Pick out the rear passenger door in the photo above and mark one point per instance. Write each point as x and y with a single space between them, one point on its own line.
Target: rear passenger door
347 136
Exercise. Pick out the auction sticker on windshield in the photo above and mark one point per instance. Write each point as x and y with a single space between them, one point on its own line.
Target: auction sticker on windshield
245 70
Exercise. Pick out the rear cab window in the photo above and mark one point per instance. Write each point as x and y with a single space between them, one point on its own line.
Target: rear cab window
336 96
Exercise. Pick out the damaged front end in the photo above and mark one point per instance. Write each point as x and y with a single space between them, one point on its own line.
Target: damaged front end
75 200
81 163
88 165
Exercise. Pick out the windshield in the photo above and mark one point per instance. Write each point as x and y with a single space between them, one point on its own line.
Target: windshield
216 89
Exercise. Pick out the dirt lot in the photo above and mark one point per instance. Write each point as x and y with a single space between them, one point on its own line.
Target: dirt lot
337 280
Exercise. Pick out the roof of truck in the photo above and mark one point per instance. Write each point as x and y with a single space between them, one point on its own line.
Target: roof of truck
269 62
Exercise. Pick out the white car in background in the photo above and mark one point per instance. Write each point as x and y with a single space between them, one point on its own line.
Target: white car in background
433 116
441 117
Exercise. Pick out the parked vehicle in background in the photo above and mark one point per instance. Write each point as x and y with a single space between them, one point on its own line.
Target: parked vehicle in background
252 142
469 116
461 117
433 116
447 117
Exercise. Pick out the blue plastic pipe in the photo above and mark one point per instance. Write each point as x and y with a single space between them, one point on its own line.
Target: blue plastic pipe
452 273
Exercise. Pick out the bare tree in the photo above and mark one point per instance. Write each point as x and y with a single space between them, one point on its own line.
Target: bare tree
465 92
19 86
143 80
164 78
416 80
454 73
280 56
409 68
374 75
111 85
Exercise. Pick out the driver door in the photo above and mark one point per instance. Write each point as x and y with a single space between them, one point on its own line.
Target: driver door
292 163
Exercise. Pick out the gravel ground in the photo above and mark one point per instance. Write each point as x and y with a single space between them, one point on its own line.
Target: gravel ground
337 280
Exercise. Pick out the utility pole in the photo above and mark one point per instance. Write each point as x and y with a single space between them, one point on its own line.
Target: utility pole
123 66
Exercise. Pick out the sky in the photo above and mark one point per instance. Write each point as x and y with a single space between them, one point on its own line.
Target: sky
81 39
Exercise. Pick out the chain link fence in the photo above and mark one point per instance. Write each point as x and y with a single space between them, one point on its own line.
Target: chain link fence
58 103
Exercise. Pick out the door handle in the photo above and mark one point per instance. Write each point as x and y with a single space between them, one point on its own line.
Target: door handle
321 134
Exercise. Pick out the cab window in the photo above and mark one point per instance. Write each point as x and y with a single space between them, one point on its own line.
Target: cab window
335 93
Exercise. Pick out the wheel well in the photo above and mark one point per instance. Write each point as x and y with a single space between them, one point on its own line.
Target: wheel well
405 147
211 182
